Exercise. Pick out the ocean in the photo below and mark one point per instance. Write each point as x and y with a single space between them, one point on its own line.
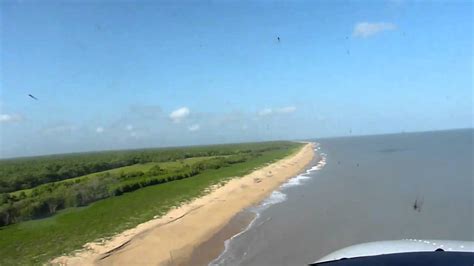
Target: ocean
364 189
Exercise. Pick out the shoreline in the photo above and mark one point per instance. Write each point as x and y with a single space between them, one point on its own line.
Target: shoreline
184 229
211 248
215 241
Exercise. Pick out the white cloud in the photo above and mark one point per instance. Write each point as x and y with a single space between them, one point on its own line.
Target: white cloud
194 127
282 110
99 130
286 109
265 112
129 127
179 114
10 118
367 29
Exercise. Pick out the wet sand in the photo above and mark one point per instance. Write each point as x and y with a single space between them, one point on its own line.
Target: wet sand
172 238
211 248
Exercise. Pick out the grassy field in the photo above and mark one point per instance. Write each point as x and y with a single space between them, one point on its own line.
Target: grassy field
125 169
37 241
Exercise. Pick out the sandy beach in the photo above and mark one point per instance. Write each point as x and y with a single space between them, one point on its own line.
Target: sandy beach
172 238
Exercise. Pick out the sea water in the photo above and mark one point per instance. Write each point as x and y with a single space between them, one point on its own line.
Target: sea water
364 189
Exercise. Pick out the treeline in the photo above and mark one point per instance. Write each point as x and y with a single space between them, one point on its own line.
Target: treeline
25 173
47 199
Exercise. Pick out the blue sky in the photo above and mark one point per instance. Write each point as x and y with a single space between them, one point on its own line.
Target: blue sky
160 73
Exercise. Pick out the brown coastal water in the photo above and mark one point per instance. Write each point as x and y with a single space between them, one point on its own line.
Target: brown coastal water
364 193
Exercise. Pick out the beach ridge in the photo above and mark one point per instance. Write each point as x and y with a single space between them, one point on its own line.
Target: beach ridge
171 238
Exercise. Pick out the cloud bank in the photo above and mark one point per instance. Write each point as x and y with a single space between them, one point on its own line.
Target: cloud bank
150 127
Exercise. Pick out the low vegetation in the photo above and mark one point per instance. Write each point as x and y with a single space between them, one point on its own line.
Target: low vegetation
79 209
24 173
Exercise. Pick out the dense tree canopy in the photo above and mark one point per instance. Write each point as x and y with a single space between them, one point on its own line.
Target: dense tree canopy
40 186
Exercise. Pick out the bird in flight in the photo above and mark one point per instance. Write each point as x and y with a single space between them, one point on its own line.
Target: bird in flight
417 204
33 97
278 38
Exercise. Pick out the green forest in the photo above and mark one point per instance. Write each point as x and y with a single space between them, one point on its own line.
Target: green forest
38 190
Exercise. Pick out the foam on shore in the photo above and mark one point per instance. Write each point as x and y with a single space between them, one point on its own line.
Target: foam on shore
277 196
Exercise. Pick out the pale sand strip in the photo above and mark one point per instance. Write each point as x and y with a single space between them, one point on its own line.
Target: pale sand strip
171 238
